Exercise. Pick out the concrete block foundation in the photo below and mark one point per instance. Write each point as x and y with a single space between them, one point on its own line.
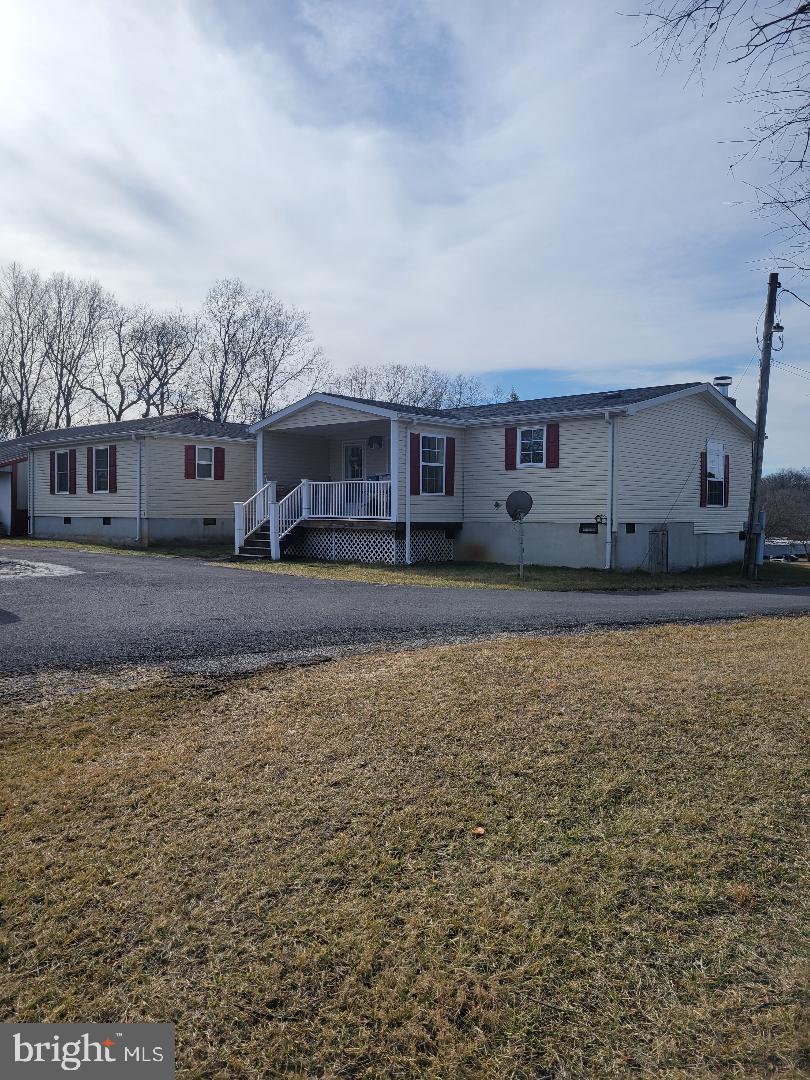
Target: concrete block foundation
553 544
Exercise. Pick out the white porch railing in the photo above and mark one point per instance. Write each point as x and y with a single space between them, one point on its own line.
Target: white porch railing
290 510
370 499
358 499
252 514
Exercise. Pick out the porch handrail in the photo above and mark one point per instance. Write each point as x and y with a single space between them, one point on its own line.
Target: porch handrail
290 510
253 513
368 499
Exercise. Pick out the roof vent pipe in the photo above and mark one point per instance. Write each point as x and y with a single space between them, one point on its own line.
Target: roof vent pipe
722 383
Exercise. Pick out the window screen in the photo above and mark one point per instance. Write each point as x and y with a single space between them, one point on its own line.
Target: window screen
715 471
532 446
432 465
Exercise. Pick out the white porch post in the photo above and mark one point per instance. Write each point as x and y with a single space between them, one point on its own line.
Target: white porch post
260 459
275 545
393 468
305 499
238 526
407 496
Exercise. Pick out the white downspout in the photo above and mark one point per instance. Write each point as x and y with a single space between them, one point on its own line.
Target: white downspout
30 482
609 515
138 472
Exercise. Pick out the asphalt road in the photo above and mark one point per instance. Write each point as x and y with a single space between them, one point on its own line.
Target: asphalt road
125 608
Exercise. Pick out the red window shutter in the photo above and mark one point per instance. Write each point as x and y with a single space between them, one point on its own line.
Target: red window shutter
113 474
510 448
449 466
53 472
71 472
90 484
725 480
219 463
416 463
191 462
704 478
552 446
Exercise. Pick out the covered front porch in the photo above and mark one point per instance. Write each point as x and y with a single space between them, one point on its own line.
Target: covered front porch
332 482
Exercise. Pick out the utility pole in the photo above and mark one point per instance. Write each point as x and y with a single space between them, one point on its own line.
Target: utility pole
752 531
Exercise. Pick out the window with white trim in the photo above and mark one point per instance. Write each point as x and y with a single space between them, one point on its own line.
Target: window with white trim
101 468
715 473
432 462
62 463
205 462
532 446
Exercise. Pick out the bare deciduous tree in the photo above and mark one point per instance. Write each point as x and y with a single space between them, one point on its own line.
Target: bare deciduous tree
24 371
769 40
288 360
74 320
409 384
252 352
786 500
163 347
67 346
111 376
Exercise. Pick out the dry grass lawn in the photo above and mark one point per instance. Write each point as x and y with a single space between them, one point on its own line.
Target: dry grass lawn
543 578
287 867
459 574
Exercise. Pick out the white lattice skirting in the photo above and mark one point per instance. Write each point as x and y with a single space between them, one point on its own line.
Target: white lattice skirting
369 545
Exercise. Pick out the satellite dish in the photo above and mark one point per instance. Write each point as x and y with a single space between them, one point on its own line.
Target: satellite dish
518 504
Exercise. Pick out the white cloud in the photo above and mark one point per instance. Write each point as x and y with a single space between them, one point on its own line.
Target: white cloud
477 186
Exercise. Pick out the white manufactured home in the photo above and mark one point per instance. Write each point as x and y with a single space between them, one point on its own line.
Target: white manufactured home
153 480
653 477
656 477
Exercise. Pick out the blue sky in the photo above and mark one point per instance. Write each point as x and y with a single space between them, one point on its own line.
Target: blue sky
511 189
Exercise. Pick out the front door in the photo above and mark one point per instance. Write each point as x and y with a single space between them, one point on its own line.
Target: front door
353 461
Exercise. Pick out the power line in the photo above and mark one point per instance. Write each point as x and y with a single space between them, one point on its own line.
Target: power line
790 292
797 373
793 367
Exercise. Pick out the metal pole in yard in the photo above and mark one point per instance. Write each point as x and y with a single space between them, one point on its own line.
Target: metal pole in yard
752 532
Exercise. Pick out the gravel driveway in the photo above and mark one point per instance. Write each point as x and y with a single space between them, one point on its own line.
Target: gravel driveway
141 609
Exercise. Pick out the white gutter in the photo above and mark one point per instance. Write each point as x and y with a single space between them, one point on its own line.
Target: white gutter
611 422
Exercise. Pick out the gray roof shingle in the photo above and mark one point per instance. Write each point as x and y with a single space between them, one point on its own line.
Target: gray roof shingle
192 424
567 403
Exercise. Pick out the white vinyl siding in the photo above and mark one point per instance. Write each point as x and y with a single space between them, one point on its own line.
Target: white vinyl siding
84 503
170 494
319 414
426 508
574 492
658 465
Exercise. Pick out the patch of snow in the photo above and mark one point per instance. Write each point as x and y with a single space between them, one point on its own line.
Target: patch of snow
22 568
